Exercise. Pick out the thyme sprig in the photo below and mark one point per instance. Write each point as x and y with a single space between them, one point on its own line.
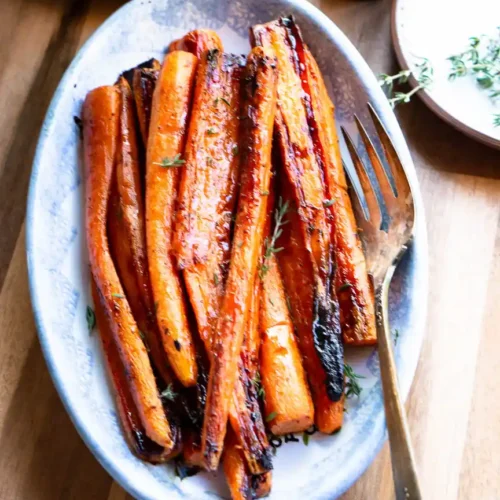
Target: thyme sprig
423 73
270 243
176 161
352 387
481 60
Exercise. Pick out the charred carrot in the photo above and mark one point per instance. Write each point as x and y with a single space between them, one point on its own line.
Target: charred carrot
100 133
143 447
169 114
303 169
144 82
197 42
208 183
259 104
288 404
242 484
296 271
353 286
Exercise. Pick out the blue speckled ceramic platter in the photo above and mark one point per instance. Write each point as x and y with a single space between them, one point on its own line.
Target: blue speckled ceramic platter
58 265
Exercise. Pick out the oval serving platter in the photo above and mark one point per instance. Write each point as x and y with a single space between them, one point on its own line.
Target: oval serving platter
58 264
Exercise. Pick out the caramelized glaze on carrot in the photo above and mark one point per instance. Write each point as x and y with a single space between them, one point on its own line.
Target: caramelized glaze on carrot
101 112
197 42
259 104
305 173
171 103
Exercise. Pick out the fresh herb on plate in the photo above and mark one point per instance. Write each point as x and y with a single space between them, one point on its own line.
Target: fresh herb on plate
481 60
352 387
90 315
168 393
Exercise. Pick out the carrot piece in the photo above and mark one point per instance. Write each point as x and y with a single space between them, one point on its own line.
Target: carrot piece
144 82
208 184
297 276
357 311
242 484
100 133
259 104
288 404
197 42
143 447
304 170
169 114
126 233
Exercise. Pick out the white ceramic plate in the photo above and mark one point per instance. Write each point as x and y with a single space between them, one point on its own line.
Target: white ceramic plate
436 30
58 264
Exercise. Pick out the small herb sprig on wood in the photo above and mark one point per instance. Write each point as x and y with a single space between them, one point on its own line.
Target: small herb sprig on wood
270 243
352 387
176 161
423 73
481 60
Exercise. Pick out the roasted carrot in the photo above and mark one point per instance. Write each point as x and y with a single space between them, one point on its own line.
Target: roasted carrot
208 184
242 484
144 82
296 271
197 42
259 104
169 114
288 404
143 447
353 286
126 233
304 170
100 133
245 415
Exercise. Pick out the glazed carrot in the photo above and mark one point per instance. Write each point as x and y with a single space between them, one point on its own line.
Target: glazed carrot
208 184
288 404
353 286
259 104
143 447
197 42
297 277
126 233
304 170
169 114
242 484
100 133
245 414
144 82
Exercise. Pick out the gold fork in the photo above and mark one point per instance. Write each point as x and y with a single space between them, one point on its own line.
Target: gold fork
385 244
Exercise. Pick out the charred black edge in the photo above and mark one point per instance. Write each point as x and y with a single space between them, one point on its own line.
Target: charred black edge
149 64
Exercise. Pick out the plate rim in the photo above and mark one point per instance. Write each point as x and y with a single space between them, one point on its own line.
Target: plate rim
361 66
426 97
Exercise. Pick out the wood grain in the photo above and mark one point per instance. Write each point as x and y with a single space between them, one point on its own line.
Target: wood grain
454 405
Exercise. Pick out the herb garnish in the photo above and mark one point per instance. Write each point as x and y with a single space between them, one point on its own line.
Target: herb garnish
118 296
176 161
271 416
90 315
481 60
225 101
257 383
168 393
305 438
270 244
216 279
211 131
328 203
352 387
264 193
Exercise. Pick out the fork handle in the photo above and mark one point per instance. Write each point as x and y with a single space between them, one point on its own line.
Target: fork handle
404 470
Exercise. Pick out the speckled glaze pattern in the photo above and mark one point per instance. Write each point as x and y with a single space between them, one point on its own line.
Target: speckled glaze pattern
58 264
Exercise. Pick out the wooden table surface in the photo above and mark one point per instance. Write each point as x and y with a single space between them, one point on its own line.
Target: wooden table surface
454 406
